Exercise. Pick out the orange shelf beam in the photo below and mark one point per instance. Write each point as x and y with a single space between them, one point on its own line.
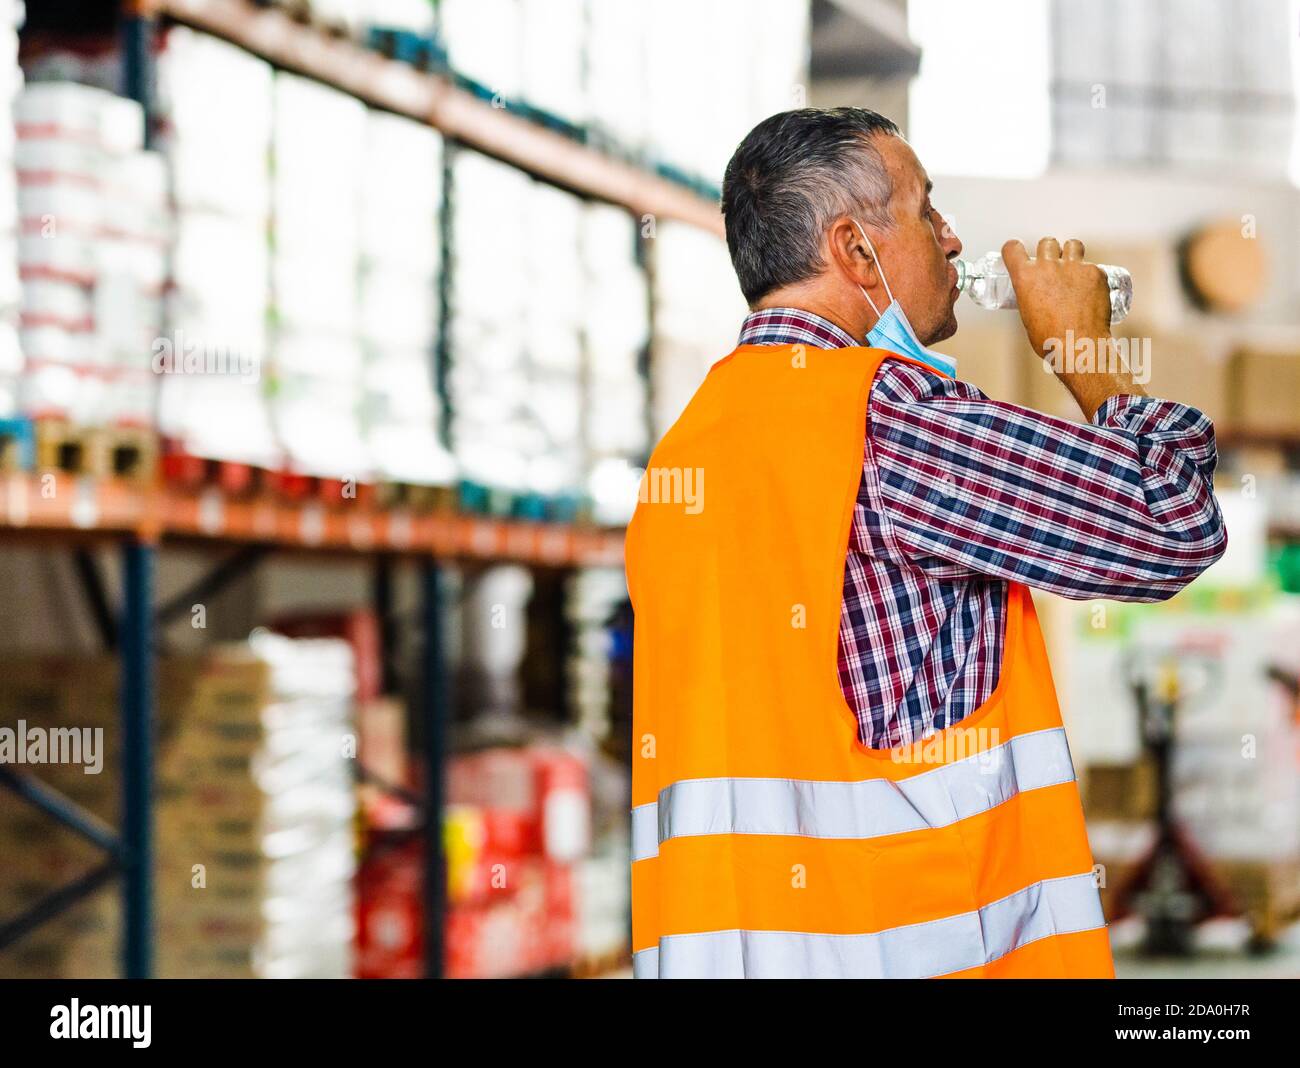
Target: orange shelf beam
58 503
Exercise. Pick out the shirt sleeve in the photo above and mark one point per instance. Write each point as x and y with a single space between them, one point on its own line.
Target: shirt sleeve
1121 508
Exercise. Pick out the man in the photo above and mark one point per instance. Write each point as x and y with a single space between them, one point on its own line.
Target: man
848 753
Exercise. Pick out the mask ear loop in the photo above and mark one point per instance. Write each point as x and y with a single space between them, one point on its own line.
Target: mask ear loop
879 268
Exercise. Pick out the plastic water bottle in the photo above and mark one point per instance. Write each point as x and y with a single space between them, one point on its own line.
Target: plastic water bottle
987 283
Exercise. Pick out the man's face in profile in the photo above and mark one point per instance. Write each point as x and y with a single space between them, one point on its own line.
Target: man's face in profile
917 250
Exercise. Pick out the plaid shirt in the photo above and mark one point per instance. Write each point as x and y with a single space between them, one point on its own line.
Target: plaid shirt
961 494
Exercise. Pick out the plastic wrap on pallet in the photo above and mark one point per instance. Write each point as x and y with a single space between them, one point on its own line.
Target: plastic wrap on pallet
747 68
591 598
94 224
551 78
217 145
11 82
512 351
616 62
216 140
485 42
397 385
307 837
698 311
317 422
604 900
398 308
490 207
615 332
552 255
401 181
318 143
616 314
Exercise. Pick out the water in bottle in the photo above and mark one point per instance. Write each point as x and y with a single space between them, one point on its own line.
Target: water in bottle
987 283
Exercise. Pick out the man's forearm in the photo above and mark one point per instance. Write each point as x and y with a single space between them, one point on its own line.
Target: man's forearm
1092 389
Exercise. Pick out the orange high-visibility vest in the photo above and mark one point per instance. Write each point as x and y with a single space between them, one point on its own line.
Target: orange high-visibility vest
767 841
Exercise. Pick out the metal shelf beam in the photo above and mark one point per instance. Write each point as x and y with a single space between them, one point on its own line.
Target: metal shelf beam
433 99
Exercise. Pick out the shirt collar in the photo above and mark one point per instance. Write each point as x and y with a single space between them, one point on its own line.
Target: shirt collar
793 326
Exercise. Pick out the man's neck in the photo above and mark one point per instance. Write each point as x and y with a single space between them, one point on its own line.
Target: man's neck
852 323
793 326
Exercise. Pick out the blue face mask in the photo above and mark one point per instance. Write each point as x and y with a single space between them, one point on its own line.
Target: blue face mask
892 330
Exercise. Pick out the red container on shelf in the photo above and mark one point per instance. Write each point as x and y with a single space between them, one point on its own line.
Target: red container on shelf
180 468
236 479
564 802
390 937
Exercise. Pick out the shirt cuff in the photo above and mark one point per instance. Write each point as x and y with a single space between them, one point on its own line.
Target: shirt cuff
1153 420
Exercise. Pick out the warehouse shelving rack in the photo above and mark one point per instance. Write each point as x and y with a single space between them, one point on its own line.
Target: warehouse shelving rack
85 511
435 99
143 519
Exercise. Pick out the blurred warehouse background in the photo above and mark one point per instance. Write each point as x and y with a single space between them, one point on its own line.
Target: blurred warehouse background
334 335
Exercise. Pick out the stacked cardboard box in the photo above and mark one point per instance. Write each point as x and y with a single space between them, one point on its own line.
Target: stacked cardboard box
1265 385
253 813
305 834
46 694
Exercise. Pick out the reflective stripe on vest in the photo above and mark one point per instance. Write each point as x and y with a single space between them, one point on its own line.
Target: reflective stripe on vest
918 951
867 809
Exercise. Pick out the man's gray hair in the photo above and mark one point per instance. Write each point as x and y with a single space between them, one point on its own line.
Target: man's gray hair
792 176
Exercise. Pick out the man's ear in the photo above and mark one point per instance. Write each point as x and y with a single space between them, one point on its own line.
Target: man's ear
851 254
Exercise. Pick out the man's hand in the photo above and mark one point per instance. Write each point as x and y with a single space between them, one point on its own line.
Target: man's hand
1064 297
1058 293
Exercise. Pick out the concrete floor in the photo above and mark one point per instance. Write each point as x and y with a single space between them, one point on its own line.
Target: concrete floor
1220 954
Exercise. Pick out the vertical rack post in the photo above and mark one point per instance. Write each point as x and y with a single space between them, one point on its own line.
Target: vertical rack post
136 34
381 596
136 630
435 713
136 626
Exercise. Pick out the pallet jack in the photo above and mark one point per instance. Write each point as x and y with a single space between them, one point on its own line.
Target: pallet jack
1173 887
